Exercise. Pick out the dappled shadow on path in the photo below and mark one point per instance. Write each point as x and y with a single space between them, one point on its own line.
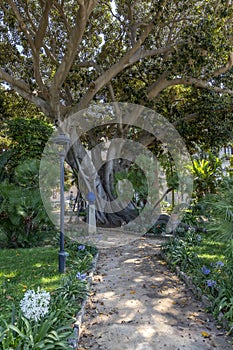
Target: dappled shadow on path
137 303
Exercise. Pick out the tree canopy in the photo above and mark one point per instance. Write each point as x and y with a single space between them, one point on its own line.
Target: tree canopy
62 55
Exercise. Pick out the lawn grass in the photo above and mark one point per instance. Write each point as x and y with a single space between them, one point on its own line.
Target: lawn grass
23 269
211 249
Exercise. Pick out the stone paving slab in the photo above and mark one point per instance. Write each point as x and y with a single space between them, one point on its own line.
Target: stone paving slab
137 303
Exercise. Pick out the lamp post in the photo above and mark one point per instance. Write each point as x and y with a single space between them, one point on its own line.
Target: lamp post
63 142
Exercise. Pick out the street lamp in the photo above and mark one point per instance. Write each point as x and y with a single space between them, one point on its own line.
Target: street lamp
63 142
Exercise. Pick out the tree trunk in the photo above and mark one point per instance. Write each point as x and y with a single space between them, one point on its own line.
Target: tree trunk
116 136
92 177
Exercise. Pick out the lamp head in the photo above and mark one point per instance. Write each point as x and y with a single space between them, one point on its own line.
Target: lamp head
63 142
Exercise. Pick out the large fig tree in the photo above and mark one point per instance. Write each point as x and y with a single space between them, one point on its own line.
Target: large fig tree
66 55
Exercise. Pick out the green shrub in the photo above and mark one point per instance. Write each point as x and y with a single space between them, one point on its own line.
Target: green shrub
22 214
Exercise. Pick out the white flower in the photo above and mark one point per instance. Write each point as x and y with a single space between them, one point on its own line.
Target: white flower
35 305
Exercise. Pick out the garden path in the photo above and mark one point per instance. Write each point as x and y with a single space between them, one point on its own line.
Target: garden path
137 303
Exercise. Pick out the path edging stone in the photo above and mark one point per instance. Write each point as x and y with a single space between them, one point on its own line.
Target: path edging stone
73 342
197 292
189 282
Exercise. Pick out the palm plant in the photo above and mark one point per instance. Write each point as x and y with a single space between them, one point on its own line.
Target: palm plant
219 207
207 173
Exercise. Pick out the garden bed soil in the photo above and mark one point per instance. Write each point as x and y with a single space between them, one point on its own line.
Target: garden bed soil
137 303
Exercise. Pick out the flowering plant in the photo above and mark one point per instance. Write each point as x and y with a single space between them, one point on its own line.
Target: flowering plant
214 271
205 270
219 264
35 305
211 283
81 276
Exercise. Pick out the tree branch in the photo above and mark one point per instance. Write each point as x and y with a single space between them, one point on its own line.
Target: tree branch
34 27
133 27
40 34
192 116
141 54
123 63
163 196
38 41
62 15
163 83
22 24
111 92
225 68
14 82
187 118
24 90
72 47
92 64
106 77
76 35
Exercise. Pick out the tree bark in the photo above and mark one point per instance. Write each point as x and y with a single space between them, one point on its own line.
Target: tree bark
110 212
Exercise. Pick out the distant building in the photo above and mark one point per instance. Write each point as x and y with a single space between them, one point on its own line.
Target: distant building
226 155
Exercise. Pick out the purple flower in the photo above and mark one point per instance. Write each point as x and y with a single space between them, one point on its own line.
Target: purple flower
81 276
81 247
211 283
219 264
205 270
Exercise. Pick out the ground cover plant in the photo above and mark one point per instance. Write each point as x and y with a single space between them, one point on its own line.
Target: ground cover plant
202 256
37 304
202 246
